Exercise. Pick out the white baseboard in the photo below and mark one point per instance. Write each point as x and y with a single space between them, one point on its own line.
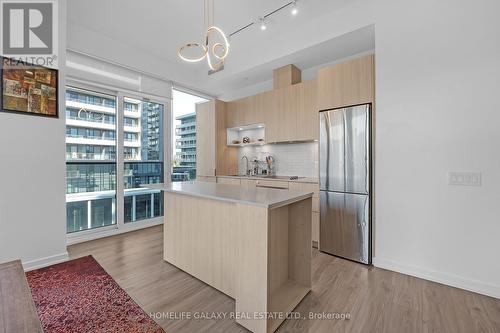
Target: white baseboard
440 277
89 235
46 261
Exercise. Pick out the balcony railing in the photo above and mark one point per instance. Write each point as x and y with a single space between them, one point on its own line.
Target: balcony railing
90 156
184 132
92 120
92 100
185 145
184 125
92 137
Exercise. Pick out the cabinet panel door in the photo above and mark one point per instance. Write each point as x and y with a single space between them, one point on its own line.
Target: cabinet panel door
346 84
285 113
315 227
206 179
307 112
263 104
229 181
205 139
246 109
232 114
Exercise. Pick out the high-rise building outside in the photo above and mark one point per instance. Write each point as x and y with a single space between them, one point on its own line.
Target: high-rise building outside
91 143
185 145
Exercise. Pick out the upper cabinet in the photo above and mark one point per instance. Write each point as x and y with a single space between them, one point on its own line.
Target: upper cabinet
289 112
307 111
348 83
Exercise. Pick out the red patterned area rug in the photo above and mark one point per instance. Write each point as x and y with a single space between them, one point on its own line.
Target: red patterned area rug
79 296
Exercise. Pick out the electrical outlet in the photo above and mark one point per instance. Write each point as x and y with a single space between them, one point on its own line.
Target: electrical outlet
464 178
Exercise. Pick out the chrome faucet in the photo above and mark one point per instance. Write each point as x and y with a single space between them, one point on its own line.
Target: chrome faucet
247 170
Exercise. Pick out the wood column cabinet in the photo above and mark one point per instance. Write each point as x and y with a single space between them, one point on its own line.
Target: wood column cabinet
213 157
348 83
206 139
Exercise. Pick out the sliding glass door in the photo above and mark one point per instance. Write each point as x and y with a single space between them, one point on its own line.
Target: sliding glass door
112 136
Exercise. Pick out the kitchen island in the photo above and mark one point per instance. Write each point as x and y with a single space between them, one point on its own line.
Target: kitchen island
252 244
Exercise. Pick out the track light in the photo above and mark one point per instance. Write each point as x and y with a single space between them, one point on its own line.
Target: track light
263 25
294 10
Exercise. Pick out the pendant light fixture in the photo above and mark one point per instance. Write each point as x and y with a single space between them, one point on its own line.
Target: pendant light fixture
214 50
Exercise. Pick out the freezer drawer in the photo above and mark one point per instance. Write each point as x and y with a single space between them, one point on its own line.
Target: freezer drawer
344 225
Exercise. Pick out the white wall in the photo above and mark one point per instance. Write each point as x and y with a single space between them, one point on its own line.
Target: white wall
32 187
438 110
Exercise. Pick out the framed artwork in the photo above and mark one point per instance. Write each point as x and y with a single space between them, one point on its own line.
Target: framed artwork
29 89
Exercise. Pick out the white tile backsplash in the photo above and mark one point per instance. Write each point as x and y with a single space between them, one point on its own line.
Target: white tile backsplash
291 159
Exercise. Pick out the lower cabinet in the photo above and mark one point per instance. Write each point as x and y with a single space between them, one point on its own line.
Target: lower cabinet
228 181
284 185
248 183
209 179
315 229
308 187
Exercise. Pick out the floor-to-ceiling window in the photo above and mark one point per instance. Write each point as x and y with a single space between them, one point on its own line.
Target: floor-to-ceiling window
103 131
184 141
143 158
90 160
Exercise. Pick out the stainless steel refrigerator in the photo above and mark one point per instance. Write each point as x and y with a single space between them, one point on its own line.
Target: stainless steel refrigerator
345 183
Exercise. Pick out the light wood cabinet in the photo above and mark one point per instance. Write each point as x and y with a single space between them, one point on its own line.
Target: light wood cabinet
308 187
307 112
315 228
206 140
263 104
305 187
228 181
294 115
214 157
206 179
289 113
348 83
241 112
248 183
272 184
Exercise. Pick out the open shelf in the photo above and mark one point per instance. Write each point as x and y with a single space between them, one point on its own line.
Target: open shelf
258 143
254 132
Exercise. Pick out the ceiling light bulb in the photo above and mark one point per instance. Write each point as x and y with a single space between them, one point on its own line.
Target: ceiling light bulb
295 10
263 25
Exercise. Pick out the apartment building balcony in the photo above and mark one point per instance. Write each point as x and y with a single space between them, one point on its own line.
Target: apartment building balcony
187 159
180 145
185 125
82 140
91 123
132 129
132 143
132 114
75 156
181 131
90 107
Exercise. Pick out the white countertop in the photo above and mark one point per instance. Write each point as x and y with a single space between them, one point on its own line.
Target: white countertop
262 197
300 180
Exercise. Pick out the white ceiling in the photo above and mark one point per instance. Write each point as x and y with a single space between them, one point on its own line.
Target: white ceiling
150 32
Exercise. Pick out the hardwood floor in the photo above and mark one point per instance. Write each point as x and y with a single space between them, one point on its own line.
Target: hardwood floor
376 300
17 310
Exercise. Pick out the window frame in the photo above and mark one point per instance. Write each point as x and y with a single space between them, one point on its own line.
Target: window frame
121 94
